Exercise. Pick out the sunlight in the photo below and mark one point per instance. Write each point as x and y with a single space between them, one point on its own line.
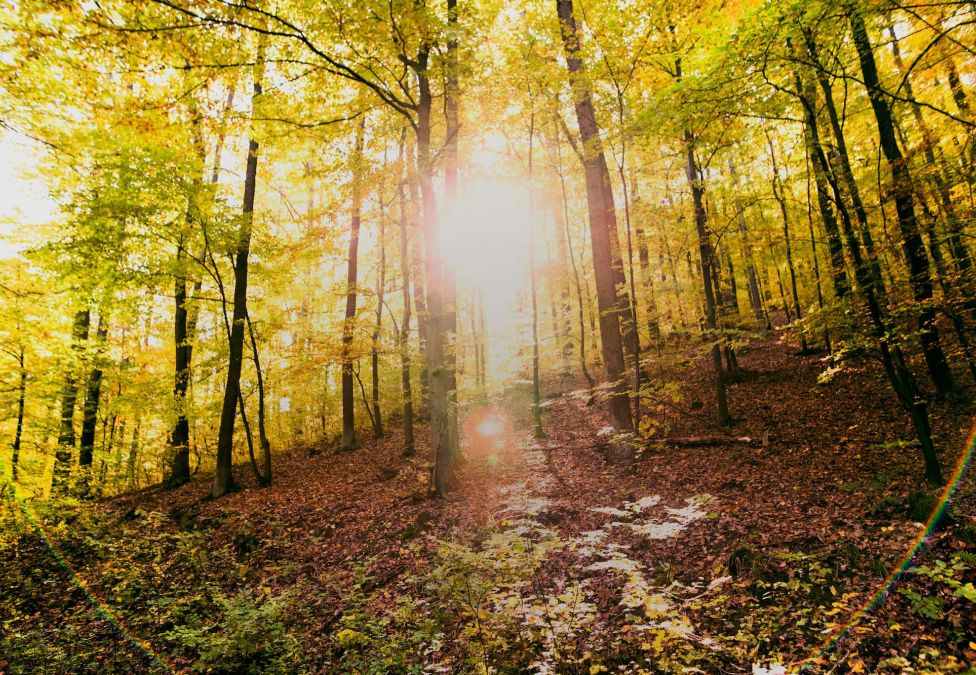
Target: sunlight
486 237
492 425
573 307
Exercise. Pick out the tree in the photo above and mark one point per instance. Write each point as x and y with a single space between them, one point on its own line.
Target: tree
920 278
348 441
64 456
602 220
223 475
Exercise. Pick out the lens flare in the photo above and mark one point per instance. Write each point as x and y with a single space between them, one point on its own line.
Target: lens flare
101 607
878 598
492 425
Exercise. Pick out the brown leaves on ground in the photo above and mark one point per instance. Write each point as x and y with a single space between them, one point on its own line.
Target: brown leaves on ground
834 478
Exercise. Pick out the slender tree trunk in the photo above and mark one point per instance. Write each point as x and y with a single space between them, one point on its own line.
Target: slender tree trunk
843 163
133 476
89 420
405 262
706 256
451 96
180 437
920 278
740 214
940 183
63 455
483 329
476 339
968 150
21 399
647 277
184 324
731 291
377 330
631 333
348 441
779 194
576 276
264 476
442 477
602 224
536 394
249 436
835 246
813 254
420 302
707 259
223 476
673 265
647 274
565 337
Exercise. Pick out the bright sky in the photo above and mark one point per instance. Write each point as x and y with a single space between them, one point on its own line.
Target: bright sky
24 200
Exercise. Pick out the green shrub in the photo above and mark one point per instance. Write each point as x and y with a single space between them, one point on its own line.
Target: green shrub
249 636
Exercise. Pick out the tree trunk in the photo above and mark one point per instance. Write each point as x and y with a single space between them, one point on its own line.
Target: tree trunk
223 476
914 248
565 332
420 302
407 389
780 196
180 437
602 222
576 276
133 476
442 476
348 441
647 274
740 214
816 260
818 160
89 420
184 324
631 333
64 454
476 340
264 476
940 183
377 329
843 163
451 94
483 329
968 149
706 256
21 399
536 395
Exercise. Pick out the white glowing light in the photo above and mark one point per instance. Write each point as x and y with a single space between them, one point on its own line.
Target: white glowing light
491 426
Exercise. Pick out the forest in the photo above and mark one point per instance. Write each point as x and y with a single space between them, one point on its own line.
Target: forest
487 336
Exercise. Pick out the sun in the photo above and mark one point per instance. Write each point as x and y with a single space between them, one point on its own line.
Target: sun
487 238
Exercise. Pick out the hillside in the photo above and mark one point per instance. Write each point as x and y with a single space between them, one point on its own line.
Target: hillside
725 557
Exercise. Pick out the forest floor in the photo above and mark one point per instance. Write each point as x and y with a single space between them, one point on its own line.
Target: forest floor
728 557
